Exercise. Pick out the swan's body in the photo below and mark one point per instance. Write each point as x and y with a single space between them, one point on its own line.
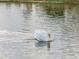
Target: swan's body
42 35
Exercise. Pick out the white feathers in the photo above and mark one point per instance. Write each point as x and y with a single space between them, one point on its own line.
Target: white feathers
42 35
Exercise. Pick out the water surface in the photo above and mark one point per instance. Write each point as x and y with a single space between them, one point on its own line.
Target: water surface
19 21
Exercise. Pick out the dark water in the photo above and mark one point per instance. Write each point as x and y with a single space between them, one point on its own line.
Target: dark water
18 22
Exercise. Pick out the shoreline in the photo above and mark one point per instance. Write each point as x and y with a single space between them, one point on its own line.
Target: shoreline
38 2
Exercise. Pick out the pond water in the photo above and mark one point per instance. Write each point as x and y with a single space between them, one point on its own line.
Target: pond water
19 21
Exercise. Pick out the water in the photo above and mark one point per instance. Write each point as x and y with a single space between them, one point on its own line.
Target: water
18 22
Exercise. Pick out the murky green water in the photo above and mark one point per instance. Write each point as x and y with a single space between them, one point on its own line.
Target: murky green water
18 22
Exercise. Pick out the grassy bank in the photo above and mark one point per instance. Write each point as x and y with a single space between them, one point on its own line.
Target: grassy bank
25 1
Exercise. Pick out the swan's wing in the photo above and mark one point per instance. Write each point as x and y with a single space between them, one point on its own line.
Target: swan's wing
41 36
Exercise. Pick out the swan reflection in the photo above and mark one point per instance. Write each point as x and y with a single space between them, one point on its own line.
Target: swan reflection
42 44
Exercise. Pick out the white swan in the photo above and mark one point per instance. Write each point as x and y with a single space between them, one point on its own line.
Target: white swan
42 35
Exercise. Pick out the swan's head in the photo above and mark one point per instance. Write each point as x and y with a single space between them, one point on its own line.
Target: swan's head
49 35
